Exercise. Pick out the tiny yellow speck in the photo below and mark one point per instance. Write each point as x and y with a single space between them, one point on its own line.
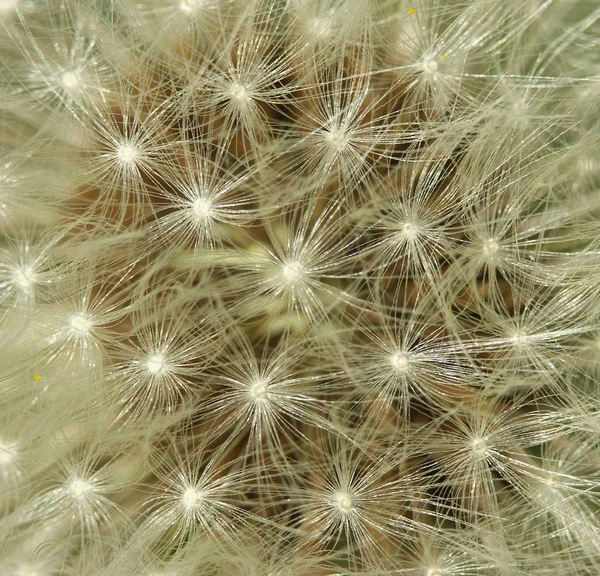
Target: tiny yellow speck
37 377
444 57
411 11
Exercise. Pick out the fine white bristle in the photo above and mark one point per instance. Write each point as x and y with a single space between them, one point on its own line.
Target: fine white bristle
299 287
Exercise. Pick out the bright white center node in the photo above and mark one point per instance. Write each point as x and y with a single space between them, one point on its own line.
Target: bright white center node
202 208
518 337
291 272
8 6
435 572
127 153
80 324
344 502
549 491
319 28
79 488
409 230
239 93
24 277
189 6
491 247
7 454
400 361
586 165
519 106
156 364
27 570
258 390
70 80
430 66
551 479
479 446
190 497
336 138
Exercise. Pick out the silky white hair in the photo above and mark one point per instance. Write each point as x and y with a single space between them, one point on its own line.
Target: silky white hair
299 287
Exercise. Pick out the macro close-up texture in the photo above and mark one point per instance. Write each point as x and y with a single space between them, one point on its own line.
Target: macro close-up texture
299 288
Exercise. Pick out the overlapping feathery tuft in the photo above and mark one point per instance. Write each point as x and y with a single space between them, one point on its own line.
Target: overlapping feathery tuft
299 287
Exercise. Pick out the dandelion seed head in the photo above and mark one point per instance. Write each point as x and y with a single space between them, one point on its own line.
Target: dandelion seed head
27 569
259 390
551 482
409 230
518 337
319 28
8 6
156 364
239 93
128 153
24 277
344 502
202 208
519 106
586 165
191 498
301 274
79 488
70 80
8 453
291 273
400 361
190 6
491 247
549 490
80 324
479 446
336 138
430 66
